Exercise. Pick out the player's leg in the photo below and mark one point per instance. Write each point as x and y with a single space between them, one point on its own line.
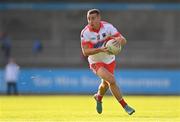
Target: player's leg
106 75
8 88
15 88
103 87
109 77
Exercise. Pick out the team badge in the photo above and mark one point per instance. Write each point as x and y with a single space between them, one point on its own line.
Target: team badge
104 34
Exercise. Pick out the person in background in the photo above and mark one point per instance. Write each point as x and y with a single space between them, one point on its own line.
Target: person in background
37 46
11 76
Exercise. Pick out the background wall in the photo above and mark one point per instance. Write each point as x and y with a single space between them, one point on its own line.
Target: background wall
152 32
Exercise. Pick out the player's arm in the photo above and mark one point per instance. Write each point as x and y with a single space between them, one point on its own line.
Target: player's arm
121 39
88 50
117 35
87 46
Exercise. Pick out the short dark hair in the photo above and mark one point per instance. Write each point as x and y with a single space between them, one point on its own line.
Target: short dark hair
93 11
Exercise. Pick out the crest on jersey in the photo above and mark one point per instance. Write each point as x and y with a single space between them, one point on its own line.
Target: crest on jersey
104 34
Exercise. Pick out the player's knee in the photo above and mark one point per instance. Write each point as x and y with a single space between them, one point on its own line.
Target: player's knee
112 81
104 85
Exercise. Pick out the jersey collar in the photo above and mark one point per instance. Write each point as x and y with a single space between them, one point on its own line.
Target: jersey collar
97 31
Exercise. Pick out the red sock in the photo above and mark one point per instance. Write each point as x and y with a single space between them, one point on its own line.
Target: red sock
123 103
99 97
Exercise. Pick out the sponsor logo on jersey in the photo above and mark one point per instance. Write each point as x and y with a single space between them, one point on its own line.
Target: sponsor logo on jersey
93 38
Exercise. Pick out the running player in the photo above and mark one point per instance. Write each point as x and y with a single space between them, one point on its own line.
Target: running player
93 38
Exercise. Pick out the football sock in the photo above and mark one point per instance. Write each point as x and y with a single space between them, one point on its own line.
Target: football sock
99 97
122 102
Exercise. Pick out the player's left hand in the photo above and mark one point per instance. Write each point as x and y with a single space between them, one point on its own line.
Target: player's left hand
121 39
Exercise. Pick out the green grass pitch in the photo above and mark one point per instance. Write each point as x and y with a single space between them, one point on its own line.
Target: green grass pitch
82 109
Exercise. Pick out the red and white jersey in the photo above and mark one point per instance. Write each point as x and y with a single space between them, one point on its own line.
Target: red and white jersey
98 38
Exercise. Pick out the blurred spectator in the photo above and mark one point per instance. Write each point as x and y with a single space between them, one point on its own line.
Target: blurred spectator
5 46
11 76
37 46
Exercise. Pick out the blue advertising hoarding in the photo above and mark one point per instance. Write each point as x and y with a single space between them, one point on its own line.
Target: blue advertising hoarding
83 81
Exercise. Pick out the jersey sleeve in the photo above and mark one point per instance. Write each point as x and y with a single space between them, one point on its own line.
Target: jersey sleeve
113 31
85 40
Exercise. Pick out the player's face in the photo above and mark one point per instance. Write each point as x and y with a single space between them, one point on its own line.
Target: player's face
94 20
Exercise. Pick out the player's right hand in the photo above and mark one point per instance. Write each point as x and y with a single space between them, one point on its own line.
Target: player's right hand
105 49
